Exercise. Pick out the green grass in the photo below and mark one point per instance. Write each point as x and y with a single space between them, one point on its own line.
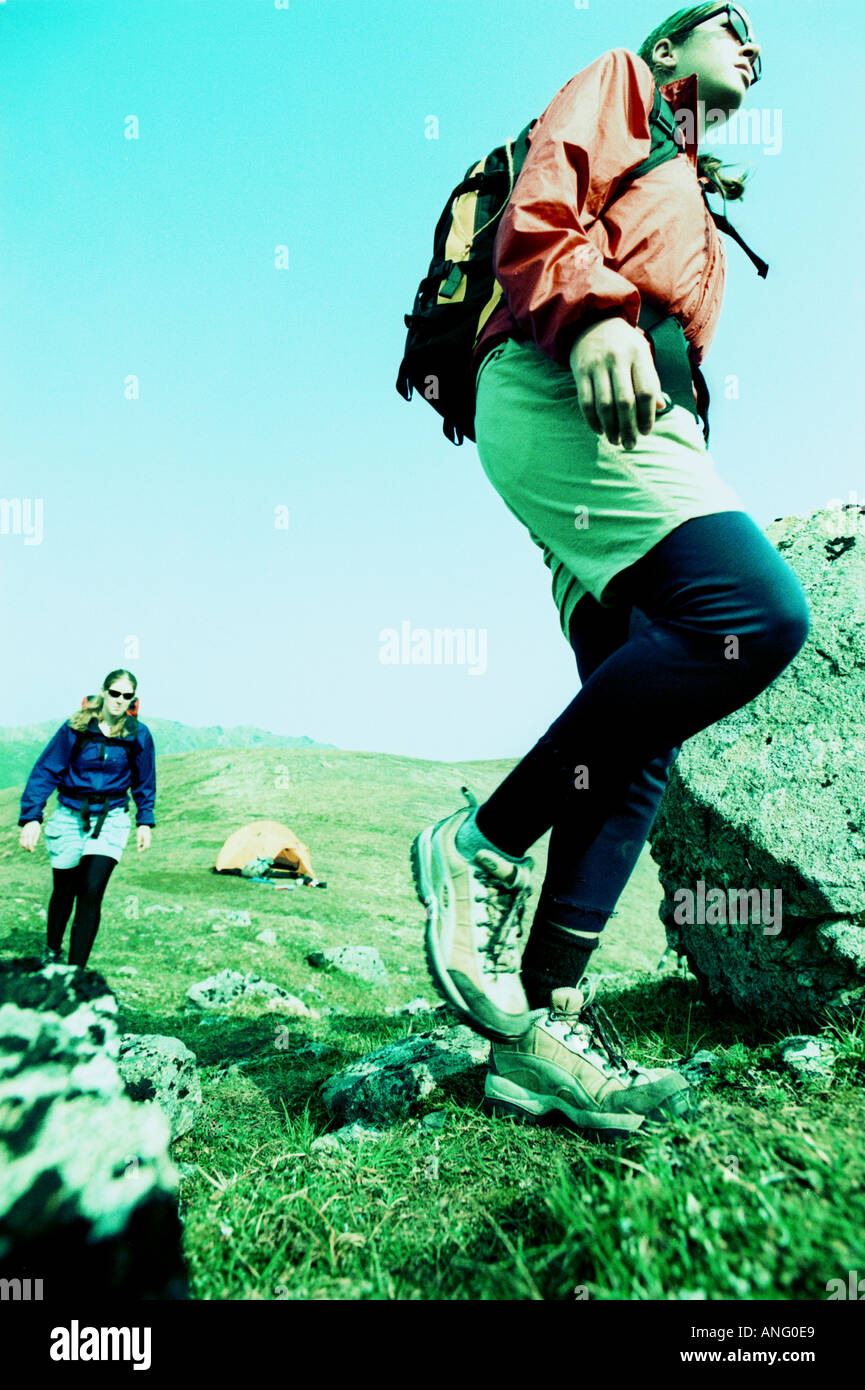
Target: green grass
759 1195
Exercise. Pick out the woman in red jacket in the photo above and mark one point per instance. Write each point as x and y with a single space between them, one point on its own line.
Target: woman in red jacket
678 608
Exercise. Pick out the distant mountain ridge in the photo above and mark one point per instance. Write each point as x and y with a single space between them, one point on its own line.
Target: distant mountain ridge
21 744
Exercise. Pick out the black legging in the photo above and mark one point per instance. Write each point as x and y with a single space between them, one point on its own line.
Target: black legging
722 614
85 886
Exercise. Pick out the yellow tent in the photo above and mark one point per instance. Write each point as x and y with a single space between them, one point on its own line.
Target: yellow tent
264 839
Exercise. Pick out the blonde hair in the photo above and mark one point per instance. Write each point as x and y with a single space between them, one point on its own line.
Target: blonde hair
674 27
82 717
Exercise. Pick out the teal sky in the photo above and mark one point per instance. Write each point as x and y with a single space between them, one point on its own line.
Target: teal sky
265 387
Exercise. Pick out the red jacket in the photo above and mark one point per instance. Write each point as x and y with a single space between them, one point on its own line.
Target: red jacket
561 270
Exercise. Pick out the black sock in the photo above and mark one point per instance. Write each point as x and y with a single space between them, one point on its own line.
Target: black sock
554 958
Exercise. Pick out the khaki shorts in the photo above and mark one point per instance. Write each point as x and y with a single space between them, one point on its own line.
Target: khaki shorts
592 507
68 842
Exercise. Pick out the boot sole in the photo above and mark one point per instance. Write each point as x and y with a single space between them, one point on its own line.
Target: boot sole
421 868
504 1099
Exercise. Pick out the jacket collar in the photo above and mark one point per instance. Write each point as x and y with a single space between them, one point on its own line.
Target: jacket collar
130 731
683 93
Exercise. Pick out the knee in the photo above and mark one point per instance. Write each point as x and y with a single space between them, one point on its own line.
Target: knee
789 624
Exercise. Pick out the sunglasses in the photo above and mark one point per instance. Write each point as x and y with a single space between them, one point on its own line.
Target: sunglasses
737 23
122 694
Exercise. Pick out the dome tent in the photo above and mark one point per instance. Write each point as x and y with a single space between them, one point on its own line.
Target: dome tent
268 840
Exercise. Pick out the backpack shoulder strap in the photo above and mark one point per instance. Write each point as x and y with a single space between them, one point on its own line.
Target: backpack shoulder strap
666 141
83 735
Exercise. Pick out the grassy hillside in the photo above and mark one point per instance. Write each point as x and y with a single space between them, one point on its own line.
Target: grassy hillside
758 1196
21 744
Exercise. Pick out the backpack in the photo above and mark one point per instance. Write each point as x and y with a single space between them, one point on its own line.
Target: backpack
459 291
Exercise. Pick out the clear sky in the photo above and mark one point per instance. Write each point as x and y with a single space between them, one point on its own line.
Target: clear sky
170 380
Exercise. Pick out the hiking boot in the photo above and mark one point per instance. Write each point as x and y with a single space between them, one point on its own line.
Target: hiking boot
474 933
50 957
570 1064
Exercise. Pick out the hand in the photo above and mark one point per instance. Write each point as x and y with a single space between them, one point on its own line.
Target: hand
29 837
618 386
144 837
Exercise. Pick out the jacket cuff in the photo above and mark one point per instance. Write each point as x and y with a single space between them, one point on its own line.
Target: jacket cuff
25 820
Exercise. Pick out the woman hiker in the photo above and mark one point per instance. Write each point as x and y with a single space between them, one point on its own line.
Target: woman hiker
678 608
94 760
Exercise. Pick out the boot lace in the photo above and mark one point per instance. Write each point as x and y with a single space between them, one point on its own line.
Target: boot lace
505 906
598 1030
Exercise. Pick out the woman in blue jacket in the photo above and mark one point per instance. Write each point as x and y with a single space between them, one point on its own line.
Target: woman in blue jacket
94 760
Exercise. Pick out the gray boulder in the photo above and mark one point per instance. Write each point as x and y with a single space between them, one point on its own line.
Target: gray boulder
233 992
381 1087
766 805
88 1186
363 962
162 1069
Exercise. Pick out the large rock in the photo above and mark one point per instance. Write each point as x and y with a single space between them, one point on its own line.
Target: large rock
162 1069
87 1189
771 799
383 1086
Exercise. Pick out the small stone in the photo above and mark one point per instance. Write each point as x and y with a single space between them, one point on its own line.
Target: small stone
699 1068
807 1057
434 1121
363 962
267 937
348 1135
246 995
415 1006
163 1069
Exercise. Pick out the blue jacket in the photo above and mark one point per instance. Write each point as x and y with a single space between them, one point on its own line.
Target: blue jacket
101 765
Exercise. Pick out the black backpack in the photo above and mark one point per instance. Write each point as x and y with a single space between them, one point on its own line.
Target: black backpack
459 291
